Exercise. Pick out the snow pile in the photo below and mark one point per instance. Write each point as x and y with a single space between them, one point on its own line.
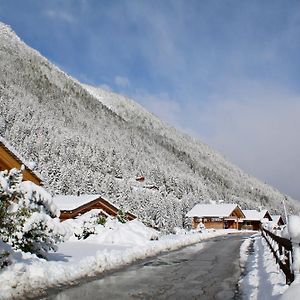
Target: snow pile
294 231
293 291
262 278
129 233
244 252
89 257
294 228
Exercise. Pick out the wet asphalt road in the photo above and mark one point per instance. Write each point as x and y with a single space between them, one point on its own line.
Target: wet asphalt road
208 270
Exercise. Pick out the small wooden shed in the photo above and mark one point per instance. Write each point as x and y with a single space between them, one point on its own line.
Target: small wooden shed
217 216
10 158
73 206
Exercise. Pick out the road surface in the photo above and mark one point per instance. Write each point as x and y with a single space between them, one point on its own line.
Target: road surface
208 270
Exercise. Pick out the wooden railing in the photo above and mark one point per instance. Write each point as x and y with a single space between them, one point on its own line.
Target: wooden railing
283 253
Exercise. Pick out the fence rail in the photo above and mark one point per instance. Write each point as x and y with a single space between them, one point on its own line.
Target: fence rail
283 252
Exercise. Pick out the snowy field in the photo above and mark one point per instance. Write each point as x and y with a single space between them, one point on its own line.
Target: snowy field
118 244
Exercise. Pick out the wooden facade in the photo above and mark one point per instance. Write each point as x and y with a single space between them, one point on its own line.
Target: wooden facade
227 219
98 203
250 225
10 160
254 219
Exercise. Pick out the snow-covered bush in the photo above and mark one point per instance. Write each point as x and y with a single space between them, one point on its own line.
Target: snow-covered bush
294 232
121 216
131 233
101 220
85 225
28 217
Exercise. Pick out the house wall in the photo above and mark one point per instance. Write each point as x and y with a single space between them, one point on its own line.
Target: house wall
208 223
231 224
250 225
214 224
7 162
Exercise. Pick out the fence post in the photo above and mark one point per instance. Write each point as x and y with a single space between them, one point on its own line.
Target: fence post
281 245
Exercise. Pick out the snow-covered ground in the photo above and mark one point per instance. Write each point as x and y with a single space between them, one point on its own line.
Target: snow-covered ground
117 245
262 279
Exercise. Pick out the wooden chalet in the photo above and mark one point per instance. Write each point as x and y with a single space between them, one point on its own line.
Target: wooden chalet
74 206
217 216
9 159
253 219
277 220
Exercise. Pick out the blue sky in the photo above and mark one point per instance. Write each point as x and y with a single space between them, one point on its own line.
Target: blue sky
224 71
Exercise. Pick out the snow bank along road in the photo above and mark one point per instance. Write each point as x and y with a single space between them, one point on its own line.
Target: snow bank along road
208 270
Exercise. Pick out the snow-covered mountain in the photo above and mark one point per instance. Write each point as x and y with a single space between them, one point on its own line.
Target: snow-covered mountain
89 140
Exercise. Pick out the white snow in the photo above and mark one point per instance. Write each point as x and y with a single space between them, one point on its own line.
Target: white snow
254 215
294 228
69 202
28 188
212 210
293 291
119 244
262 279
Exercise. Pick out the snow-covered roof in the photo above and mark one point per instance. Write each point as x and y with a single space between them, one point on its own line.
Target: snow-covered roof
254 215
276 218
212 210
69 202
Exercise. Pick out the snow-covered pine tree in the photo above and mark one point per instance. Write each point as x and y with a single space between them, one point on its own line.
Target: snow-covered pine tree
27 215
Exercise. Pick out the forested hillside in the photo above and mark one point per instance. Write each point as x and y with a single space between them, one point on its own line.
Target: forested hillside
89 140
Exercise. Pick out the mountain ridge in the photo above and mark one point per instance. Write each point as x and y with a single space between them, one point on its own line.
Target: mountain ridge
93 141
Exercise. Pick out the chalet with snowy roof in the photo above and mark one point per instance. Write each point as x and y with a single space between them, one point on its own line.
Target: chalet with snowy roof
10 158
217 216
277 220
74 206
253 219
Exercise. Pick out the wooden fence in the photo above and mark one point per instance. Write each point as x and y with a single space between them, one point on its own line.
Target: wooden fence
283 252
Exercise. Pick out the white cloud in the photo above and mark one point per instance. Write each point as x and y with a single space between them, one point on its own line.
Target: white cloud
259 131
161 105
60 15
105 87
122 81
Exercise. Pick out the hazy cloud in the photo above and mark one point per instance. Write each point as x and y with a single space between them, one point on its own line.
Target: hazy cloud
258 131
105 87
161 105
60 15
122 81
